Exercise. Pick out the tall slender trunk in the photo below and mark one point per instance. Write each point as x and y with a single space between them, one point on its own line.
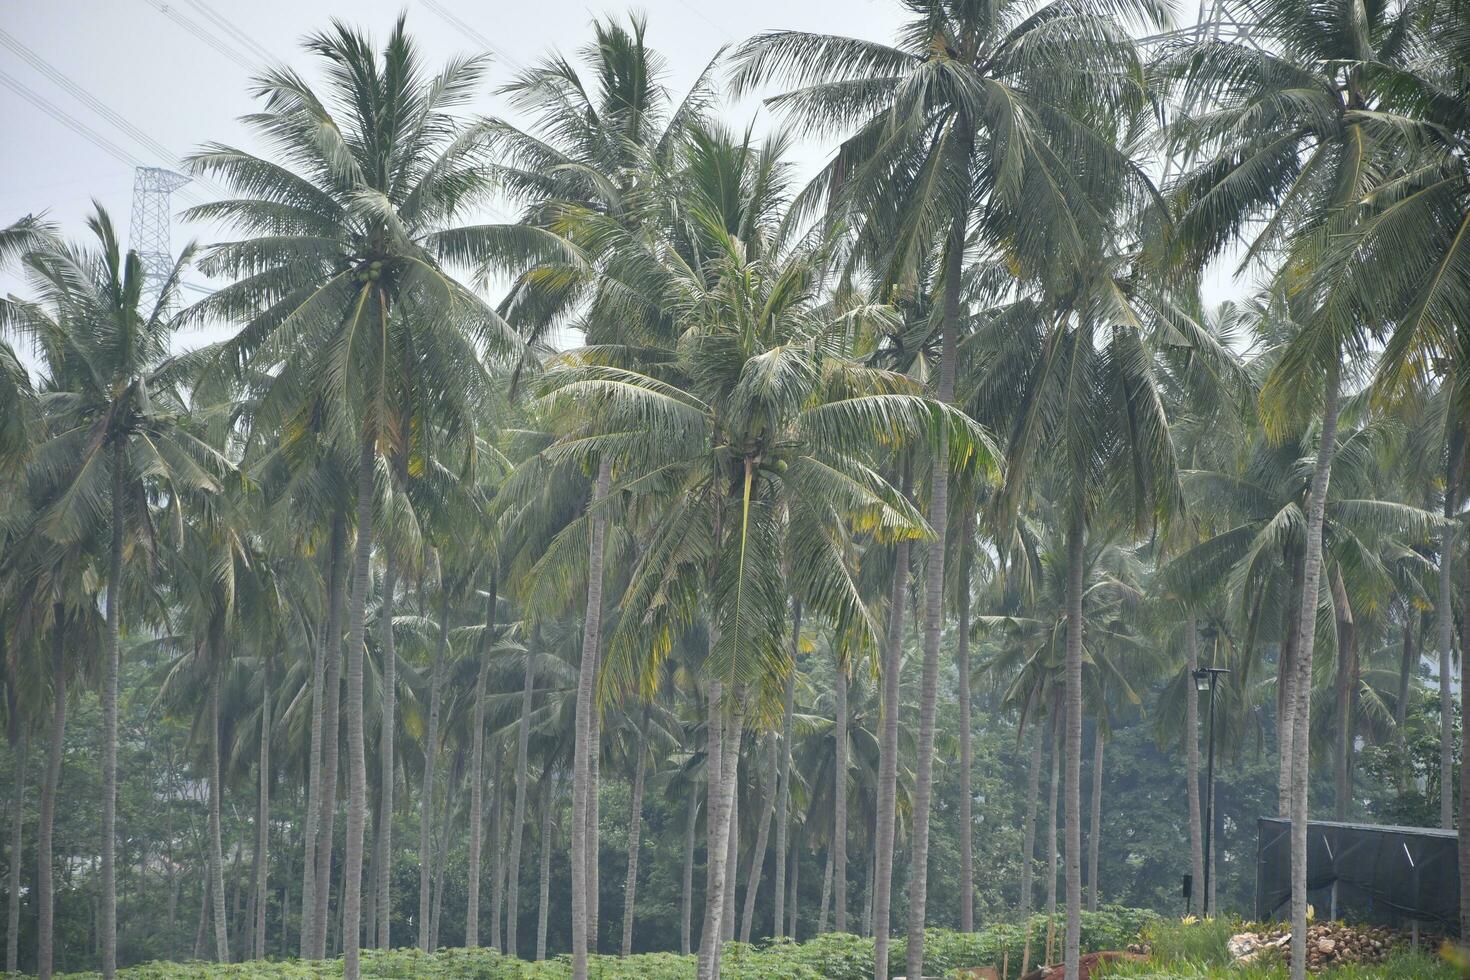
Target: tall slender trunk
1028 833
441 863
216 849
1407 663
477 802
722 765
1307 615
783 801
1464 838
326 820
383 865
1286 689
880 885
547 808
1075 543
732 839
826 894
838 855
263 816
45 887
1344 684
758 856
325 645
594 824
518 818
635 829
1051 823
356 747
108 897
686 905
962 668
1095 827
1445 619
1191 751
795 892
497 862
22 750
431 768
934 604
582 745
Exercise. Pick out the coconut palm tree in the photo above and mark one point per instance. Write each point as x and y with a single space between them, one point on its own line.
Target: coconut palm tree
120 430
341 290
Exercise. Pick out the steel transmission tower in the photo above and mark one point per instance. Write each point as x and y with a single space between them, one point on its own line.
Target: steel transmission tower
149 232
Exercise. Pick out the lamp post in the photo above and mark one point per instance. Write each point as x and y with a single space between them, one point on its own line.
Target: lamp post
1204 682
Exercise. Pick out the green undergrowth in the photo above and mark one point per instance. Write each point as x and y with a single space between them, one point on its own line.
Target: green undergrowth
1197 951
829 957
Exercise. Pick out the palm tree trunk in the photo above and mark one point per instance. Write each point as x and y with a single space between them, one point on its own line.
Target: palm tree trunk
880 887
962 668
1286 691
1464 838
311 832
383 864
732 840
1028 833
216 849
356 746
1051 826
1191 750
518 819
795 881
1095 827
635 828
934 604
108 927
1445 616
1075 542
1343 689
45 888
723 765
477 802
263 817
22 750
582 745
826 894
594 825
547 810
331 751
1307 618
441 862
758 856
783 802
686 904
838 855
1407 662
497 862
431 768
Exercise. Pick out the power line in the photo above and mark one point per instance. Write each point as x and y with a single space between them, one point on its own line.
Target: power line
68 120
453 20
233 30
203 34
165 156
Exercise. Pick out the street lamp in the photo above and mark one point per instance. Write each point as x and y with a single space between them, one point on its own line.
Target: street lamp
1204 682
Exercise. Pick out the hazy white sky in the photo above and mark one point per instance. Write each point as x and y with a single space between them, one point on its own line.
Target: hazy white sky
153 79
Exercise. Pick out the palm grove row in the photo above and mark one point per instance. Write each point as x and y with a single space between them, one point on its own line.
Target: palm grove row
385 569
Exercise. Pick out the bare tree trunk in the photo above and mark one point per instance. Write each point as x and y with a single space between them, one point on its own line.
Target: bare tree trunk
783 802
1075 558
1407 663
545 893
383 865
1028 833
441 864
326 647
722 764
1311 579
826 895
1191 751
967 759
1051 826
356 745
22 750
880 884
45 883
1095 827
795 881
1445 617
263 816
518 818
216 850
594 830
686 905
108 928
635 827
732 842
497 861
477 803
1286 691
1345 682
583 746
838 855
758 856
1464 838
431 767
331 751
